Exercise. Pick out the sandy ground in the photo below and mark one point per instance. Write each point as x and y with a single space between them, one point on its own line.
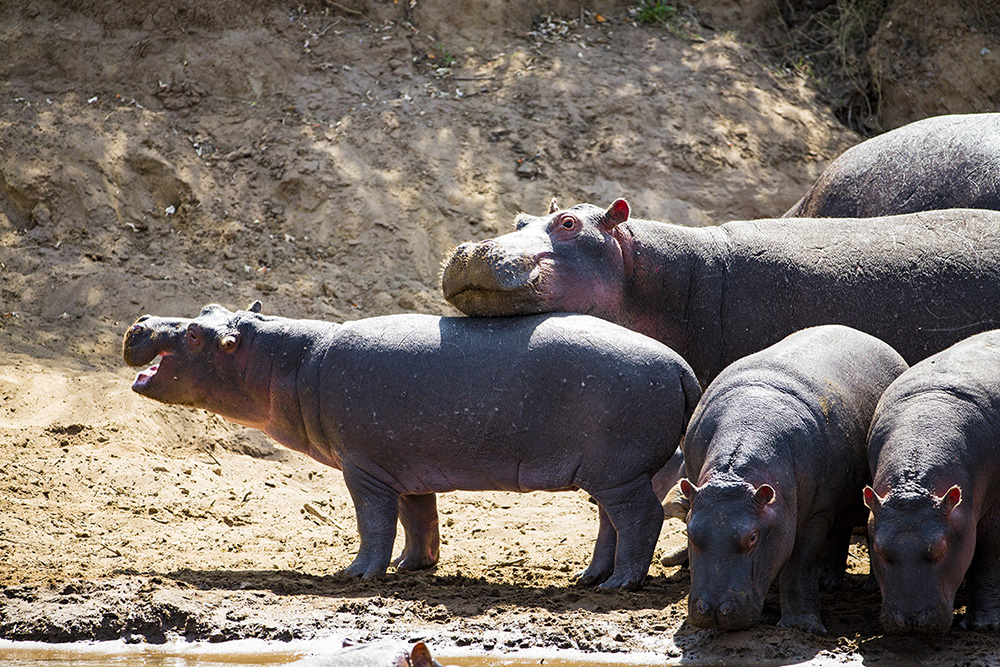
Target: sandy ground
155 157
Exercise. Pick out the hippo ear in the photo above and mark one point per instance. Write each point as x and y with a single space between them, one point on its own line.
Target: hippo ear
872 501
950 500
687 488
616 214
255 307
764 495
553 206
420 656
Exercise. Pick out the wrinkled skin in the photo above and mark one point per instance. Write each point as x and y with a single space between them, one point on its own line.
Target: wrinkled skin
408 406
905 279
777 447
933 450
936 163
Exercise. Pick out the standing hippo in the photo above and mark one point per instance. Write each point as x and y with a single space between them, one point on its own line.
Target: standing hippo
934 452
920 281
942 162
777 446
412 405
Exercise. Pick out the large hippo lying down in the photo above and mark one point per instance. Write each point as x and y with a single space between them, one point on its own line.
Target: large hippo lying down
934 451
776 464
412 405
920 282
941 162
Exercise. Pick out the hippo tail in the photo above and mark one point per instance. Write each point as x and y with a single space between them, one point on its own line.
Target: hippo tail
692 394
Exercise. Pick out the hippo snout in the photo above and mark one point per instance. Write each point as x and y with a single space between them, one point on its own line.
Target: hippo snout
145 339
726 614
484 279
923 622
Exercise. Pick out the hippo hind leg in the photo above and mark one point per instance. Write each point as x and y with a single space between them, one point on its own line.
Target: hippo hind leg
603 563
636 516
376 507
419 517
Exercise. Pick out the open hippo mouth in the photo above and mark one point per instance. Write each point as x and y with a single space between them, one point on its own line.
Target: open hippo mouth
145 377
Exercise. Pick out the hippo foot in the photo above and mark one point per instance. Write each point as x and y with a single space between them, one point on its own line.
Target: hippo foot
405 562
678 556
591 577
621 583
358 570
979 621
810 623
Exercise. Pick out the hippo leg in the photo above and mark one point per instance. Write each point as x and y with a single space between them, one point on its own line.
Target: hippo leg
834 560
419 517
376 506
637 517
603 563
983 578
799 582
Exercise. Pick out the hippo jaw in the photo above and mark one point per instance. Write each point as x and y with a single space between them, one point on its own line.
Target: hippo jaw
482 280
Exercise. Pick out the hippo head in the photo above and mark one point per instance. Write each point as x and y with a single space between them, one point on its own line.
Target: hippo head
921 545
739 538
566 261
199 362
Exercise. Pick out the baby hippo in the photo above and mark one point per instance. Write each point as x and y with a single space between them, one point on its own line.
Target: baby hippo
934 452
777 447
408 406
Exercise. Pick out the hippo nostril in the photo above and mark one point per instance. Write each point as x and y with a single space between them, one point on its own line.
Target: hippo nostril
702 607
925 618
726 608
899 619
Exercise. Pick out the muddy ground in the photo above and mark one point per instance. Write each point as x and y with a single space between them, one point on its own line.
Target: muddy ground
323 157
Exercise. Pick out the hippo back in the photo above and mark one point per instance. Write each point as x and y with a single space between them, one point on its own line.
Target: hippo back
943 162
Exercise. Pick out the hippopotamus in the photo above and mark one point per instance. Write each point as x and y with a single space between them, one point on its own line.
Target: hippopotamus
934 452
407 406
776 463
936 163
919 281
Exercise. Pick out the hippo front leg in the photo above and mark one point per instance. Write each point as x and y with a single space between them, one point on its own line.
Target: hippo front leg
419 517
983 578
799 580
376 506
637 517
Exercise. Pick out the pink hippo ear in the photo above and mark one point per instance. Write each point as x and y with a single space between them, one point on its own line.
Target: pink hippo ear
764 495
687 488
616 214
553 206
950 500
420 656
872 501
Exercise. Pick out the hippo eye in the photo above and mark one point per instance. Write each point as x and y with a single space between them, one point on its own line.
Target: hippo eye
751 539
569 223
193 336
937 550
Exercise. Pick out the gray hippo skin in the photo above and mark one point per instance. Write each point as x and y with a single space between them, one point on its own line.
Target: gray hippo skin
934 452
408 406
920 281
777 446
941 162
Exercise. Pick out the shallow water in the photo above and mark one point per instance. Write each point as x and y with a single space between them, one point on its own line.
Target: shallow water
118 654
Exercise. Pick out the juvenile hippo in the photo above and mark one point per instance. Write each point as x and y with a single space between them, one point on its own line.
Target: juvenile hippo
942 162
920 281
934 452
777 446
412 405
